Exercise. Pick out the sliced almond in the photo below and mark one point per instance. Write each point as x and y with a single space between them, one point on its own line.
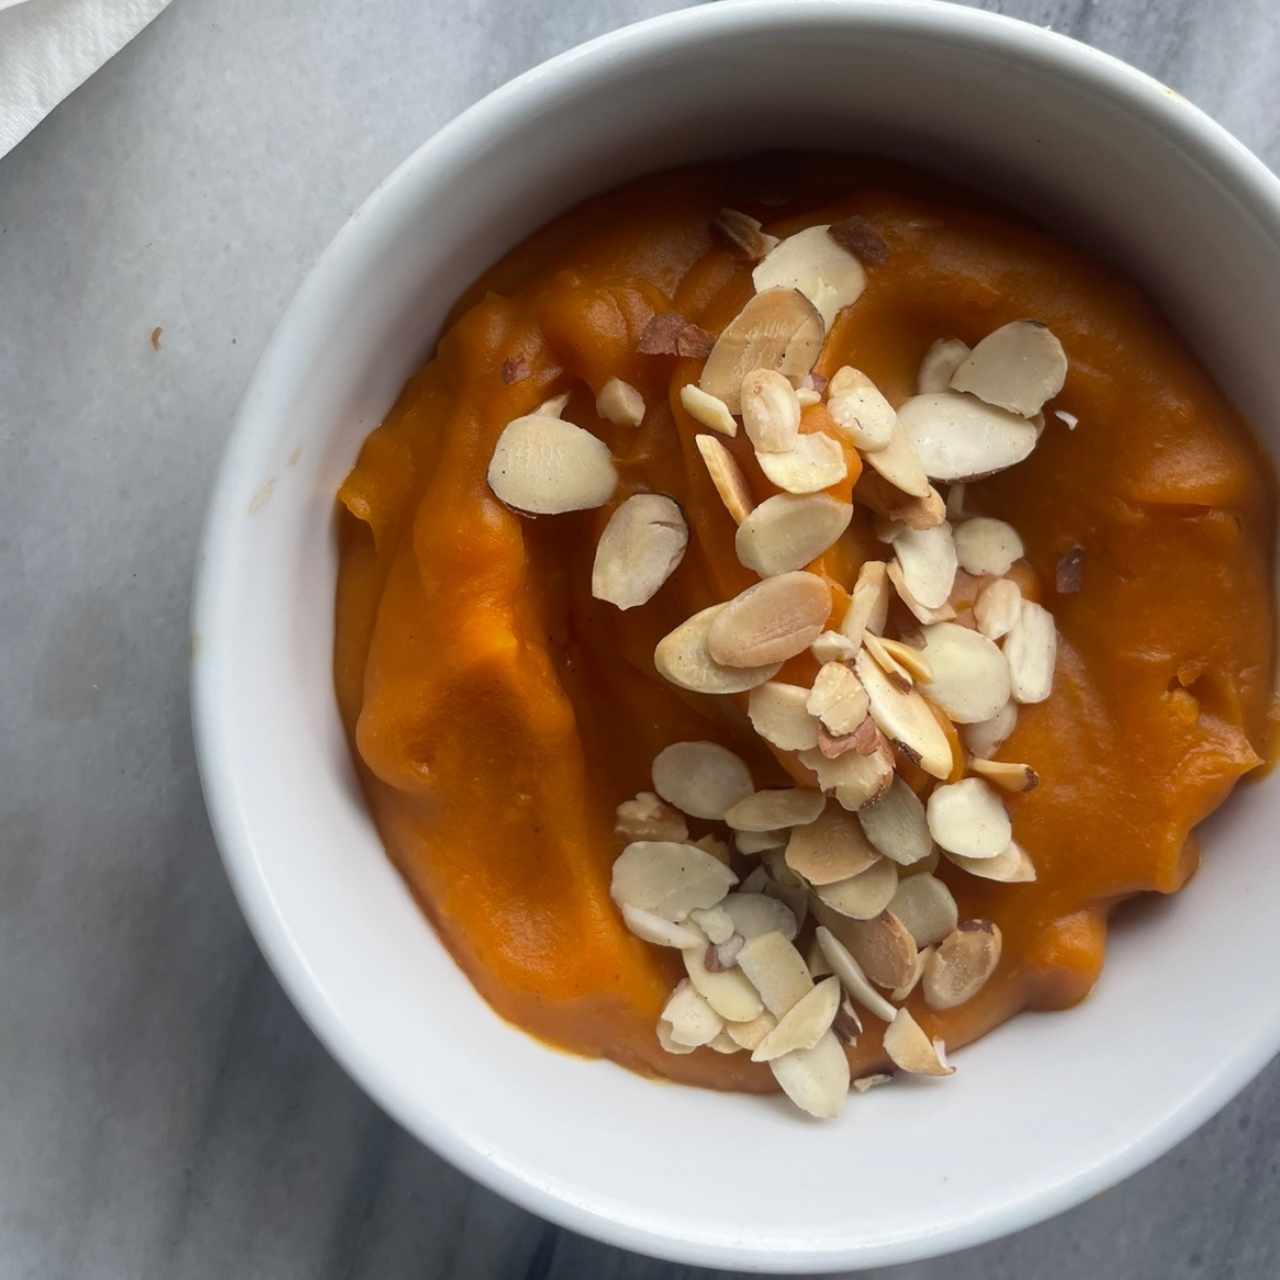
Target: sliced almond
770 411
928 560
814 462
833 646
708 410
868 602
751 842
727 991
863 1083
712 844
804 1024
553 407
940 363
895 825
817 1079
967 817
720 957
970 674
808 397
910 1049
987 737
746 1035
777 329
900 995
724 1043
997 608
776 970
864 896
837 698
920 611
771 810
957 437
961 965
661 932
1017 367
905 719
1005 774
754 914
692 1020
830 849
683 659
900 464
1010 866
727 477
820 268
647 818
702 779
1032 650
779 714
545 466
926 906
668 879
670 1045
851 976
620 403
859 410
789 531
908 657
744 233
987 546
640 548
715 923
898 675
771 621
882 947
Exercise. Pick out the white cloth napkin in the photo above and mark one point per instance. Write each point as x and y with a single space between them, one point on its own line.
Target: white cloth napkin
48 47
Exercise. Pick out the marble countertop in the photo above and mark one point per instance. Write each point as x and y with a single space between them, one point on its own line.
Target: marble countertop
164 1113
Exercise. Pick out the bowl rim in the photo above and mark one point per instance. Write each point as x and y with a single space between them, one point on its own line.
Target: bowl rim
1228 161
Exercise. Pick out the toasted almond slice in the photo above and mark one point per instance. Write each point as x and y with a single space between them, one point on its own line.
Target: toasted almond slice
987 546
883 947
908 657
997 608
967 817
715 923
905 719
620 403
712 844
770 810
838 698
776 970
902 994
1005 774
771 621
666 1041
727 991
829 849
770 411
744 233
746 1035
754 914
727 477
683 659
833 646
895 825
970 674
834 746
899 463
961 965
750 842
988 736
823 271
647 818
544 466
898 675
1017 367
814 462
940 363
926 906
909 1048
640 548
957 437
817 1079
1032 650
708 410
928 560
863 1083
777 329
692 1020
864 896
554 407
668 878
702 779
859 410
1010 866
779 715
662 932
803 1024
788 531
851 976
868 602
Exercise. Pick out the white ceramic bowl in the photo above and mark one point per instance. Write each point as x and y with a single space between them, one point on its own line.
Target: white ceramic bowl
1043 1113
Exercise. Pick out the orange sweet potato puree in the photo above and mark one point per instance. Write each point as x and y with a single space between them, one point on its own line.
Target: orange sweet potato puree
499 713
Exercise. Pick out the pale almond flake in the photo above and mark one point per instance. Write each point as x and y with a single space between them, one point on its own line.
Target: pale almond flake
822 270
715 923
553 407
970 675
804 1024
1032 650
752 842
648 818
692 1020
817 1079
754 914
682 658
1017 367
833 646
788 531
770 810
830 849
771 621
939 365
1010 866
779 328
986 546
906 719
814 462
670 1045
987 737
708 410
776 970
770 411
662 932
746 1035
967 817
620 403
864 896
926 906
1070 419
668 879
640 548
722 956
961 965
859 410
779 714
544 466
958 437
908 658
895 825
727 477
921 612
868 603
727 991
744 233
916 513
882 947
724 1043
851 976
910 1049
900 995
997 608
928 560
900 464
863 1083
702 779
808 397
837 698
1005 774
898 675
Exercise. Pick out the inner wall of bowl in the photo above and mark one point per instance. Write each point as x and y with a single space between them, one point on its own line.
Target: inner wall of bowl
700 1176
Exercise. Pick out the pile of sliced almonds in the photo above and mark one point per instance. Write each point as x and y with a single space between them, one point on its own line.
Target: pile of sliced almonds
872 732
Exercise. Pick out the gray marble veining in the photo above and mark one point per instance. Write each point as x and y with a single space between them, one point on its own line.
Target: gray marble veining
164 1114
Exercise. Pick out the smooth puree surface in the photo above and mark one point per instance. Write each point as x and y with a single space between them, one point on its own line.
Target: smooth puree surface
499 713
